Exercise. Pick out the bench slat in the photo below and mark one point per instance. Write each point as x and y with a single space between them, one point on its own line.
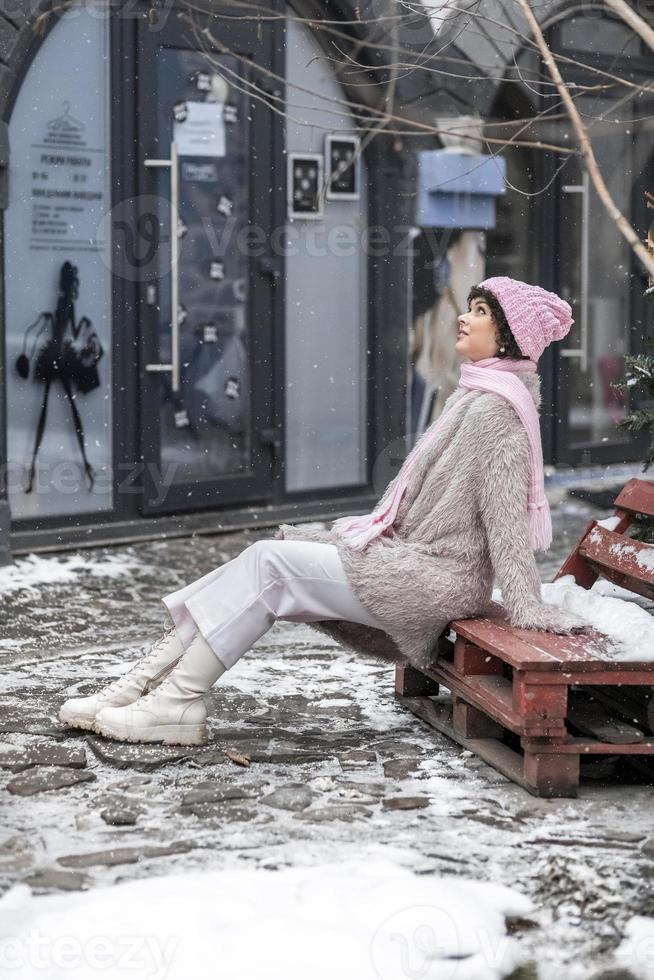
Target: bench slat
583 574
592 718
620 560
631 703
494 696
537 649
581 746
637 496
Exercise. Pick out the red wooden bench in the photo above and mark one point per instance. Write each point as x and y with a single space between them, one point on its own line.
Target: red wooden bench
530 702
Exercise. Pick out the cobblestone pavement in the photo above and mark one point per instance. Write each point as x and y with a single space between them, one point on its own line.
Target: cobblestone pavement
336 767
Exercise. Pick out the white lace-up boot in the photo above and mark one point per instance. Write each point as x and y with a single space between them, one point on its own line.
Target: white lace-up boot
147 673
175 713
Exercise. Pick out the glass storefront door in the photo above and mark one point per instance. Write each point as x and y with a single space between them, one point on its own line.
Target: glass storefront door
598 276
206 302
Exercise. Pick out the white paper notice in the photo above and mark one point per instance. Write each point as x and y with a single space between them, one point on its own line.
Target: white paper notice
202 134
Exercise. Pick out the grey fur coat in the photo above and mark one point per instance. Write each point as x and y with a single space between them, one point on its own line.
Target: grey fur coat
461 524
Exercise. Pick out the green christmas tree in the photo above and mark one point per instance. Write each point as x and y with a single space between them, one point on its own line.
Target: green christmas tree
640 377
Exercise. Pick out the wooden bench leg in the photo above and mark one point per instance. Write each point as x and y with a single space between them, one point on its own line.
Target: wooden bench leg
551 774
470 659
411 683
470 722
540 701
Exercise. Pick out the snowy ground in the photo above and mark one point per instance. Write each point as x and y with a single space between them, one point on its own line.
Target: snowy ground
354 826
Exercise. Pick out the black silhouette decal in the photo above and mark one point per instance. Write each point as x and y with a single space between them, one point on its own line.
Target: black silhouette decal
60 358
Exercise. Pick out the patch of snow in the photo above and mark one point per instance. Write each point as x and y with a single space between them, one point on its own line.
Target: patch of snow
331 703
36 570
645 558
595 537
629 626
7 644
622 550
603 587
636 951
370 919
610 523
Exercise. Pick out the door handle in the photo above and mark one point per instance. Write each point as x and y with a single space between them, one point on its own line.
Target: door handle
582 351
270 266
271 437
174 367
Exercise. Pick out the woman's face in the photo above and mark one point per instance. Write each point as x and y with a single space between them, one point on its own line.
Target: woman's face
477 337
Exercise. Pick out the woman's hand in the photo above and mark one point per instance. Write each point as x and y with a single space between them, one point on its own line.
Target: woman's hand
553 619
568 625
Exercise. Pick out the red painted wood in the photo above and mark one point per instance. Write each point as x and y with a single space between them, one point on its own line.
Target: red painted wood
538 649
543 701
614 674
553 774
637 496
410 682
470 659
582 746
615 557
438 714
493 695
470 722
575 565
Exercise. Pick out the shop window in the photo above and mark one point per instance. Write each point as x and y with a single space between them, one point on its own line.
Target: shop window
599 35
326 289
58 275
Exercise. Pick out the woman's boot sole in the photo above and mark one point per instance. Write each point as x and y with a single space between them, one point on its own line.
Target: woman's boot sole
79 721
83 721
165 734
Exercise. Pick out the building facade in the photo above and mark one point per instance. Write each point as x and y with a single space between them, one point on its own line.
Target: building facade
193 338
215 313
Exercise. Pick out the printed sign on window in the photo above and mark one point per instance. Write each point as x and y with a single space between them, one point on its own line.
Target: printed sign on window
202 132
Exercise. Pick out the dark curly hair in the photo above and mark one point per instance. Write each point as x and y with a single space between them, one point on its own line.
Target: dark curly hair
504 336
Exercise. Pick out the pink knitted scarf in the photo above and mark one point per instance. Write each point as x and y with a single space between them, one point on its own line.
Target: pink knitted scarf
488 374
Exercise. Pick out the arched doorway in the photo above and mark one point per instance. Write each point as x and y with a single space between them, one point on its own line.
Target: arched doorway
558 234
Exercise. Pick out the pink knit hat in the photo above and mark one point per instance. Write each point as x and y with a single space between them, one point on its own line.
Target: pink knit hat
536 317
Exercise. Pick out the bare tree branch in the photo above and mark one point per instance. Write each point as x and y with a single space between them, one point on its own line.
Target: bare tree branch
373 117
634 20
587 154
361 112
318 25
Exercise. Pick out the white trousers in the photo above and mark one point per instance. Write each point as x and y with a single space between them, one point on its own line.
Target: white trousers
236 603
